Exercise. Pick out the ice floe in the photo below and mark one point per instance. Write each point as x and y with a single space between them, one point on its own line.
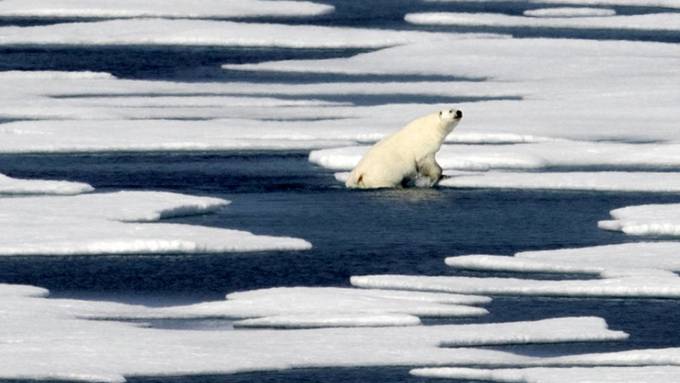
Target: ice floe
320 307
632 3
569 88
14 186
154 31
595 181
530 156
659 219
629 259
46 339
159 8
647 374
116 223
569 12
649 22
625 270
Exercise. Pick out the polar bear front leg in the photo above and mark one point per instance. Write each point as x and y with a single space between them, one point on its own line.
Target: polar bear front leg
429 168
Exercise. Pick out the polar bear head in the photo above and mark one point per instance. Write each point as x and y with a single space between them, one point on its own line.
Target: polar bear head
450 115
449 118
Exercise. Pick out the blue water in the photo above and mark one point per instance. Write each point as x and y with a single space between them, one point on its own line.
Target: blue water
353 232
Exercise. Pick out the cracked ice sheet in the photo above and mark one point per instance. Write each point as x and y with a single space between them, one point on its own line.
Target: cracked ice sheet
648 22
570 88
319 307
647 374
14 186
43 339
114 223
208 33
659 219
160 8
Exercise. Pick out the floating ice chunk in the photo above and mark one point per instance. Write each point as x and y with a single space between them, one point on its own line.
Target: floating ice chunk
596 181
159 8
569 12
206 32
650 284
331 320
647 374
650 22
44 338
105 224
9 185
659 219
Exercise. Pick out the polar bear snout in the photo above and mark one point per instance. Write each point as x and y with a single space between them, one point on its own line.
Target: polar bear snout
451 114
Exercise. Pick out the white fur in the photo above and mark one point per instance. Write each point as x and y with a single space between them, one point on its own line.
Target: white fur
406 154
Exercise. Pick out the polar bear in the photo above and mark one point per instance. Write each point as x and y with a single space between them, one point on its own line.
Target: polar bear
406 154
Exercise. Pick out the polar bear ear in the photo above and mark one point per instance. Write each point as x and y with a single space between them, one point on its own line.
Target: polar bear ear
440 114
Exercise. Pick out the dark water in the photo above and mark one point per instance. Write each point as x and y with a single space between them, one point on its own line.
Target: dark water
353 232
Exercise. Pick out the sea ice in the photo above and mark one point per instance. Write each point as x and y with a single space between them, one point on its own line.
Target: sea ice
159 8
530 156
154 31
45 339
647 374
620 260
570 88
659 219
321 307
649 22
595 181
656 286
14 186
113 223
633 3
569 12
623 270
